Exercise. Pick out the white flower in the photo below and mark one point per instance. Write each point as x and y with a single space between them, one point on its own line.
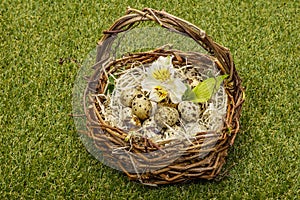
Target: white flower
160 81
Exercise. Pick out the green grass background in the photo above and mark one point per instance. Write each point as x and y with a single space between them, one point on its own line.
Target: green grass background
41 155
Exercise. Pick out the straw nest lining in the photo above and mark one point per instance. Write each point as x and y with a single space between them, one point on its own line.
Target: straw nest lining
209 117
166 160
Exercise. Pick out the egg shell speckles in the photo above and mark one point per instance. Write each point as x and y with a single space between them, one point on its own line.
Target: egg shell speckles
189 111
141 106
126 113
132 123
166 115
150 128
127 96
193 128
174 132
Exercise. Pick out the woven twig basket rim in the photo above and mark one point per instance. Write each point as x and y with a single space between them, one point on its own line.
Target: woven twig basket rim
223 59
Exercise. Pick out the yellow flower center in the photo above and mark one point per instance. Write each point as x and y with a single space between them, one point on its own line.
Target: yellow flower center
161 74
160 92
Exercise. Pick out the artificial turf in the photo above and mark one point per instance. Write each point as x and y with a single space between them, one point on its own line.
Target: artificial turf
44 43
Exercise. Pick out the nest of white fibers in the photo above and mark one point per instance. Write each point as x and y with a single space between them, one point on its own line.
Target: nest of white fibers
210 119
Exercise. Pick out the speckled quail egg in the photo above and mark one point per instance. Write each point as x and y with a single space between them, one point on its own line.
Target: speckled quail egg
189 111
166 115
173 132
126 113
150 128
110 118
127 96
130 121
141 106
194 127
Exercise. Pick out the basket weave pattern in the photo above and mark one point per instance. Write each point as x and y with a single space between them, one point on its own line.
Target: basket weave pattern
154 170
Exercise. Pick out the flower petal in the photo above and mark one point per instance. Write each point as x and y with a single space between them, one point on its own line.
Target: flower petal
161 69
158 93
148 83
176 90
160 81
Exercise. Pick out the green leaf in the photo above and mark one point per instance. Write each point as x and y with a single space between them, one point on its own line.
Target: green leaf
188 95
111 85
204 90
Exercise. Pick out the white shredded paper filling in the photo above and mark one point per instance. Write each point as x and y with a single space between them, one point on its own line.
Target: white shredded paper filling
212 118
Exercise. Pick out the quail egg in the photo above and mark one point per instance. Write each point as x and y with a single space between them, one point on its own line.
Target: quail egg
194 128
126 113
109 117
174 131
141 106
127 96
111 120
150 128
166 116
189 111
132 123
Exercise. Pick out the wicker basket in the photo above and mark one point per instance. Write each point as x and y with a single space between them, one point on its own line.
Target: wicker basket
150 162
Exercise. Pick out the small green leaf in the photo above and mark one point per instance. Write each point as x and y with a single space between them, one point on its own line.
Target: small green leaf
126 139
111 85
204 90
188 95
207 88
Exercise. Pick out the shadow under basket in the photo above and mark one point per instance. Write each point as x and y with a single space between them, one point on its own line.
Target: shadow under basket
166 161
